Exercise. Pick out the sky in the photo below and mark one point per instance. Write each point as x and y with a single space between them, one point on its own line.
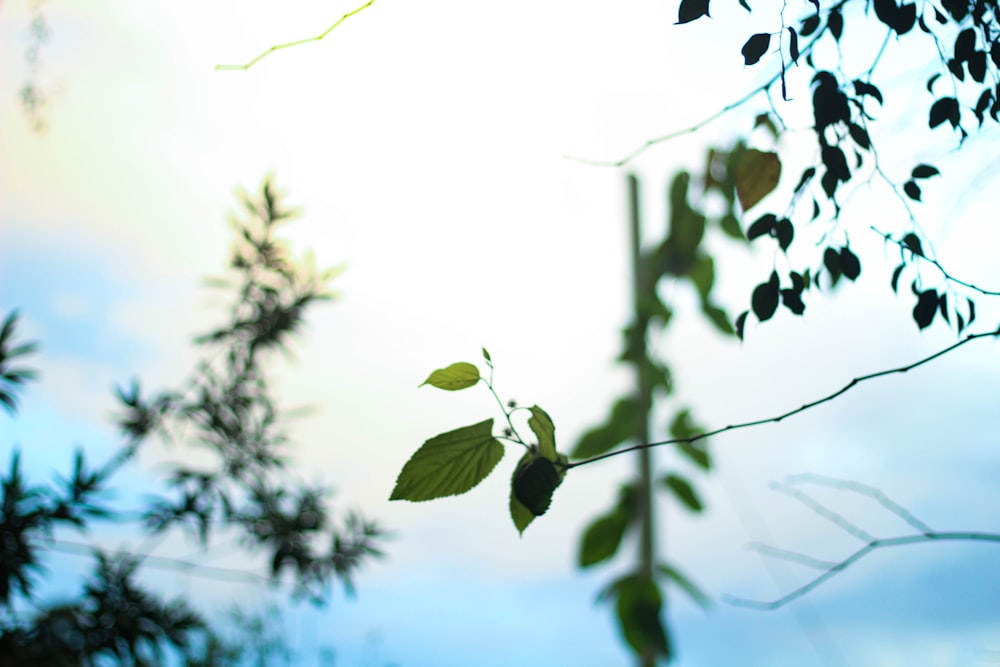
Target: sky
427 147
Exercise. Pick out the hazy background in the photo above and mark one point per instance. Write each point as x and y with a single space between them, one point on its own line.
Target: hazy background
426 146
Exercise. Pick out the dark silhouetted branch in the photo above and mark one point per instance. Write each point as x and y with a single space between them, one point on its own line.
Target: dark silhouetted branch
826 399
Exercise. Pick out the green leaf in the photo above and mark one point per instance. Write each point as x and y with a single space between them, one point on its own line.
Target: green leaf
534 484
703 275
757 174
719 318
541 425
602 538
621 426
693 591
519 514
638 608
486 356
449 464
461 375
684 492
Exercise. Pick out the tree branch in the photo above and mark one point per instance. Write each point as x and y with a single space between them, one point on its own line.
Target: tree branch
832 568
948 276
317 38
850 385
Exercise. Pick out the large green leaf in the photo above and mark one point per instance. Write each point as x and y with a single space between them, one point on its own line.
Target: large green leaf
757 174
543 428
461 375
449 464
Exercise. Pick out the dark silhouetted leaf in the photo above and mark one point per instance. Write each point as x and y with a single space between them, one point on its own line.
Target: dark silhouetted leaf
809 25
535 483
995 53
977 66
831 260
784 232
793 45
691 10
912 242
943 306
762 226
895 277
930 83
923 312
806 176
741 321
965 44
755 48
850 265
829 102
765 298
912 190
924 171
836 24
944 109
836 163
859 135
792 300
972 310
864 88
906 17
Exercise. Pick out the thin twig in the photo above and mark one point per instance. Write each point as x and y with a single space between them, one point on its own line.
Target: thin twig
297 42
948 276
822 510
850 385
855 557
863 489
791 556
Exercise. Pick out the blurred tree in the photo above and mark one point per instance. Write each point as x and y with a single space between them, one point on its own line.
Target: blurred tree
226 410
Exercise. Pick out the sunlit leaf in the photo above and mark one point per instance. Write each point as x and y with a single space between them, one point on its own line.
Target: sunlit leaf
541 425
757 175
449 464
461 375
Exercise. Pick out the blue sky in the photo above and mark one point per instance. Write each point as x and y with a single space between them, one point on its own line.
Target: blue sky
425 145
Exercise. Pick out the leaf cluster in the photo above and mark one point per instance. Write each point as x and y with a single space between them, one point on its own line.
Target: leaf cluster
225 408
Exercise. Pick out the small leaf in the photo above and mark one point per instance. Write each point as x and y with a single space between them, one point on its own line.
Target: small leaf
792 300
809 25
850 265
927 305
461 375
534 484
718 318
684 492
930 83
685 584
601 539
806 176
972 310
486 356
912 242
864 88
831 260
924 171
765 299
946 108
836 24
691 10
859 135
793 44
757 175
449 464
741 321
895 277
763 225
621 426
784 232
755 48
541 425
519 514
912 190
638 608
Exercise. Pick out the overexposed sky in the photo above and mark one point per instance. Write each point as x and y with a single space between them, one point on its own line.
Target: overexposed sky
426 146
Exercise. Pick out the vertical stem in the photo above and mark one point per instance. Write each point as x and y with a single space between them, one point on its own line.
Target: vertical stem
644 495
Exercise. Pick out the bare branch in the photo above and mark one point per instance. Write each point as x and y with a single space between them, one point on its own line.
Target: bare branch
826 399
317 38
822 510
865 490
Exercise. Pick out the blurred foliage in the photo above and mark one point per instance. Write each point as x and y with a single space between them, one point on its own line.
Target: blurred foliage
226 409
